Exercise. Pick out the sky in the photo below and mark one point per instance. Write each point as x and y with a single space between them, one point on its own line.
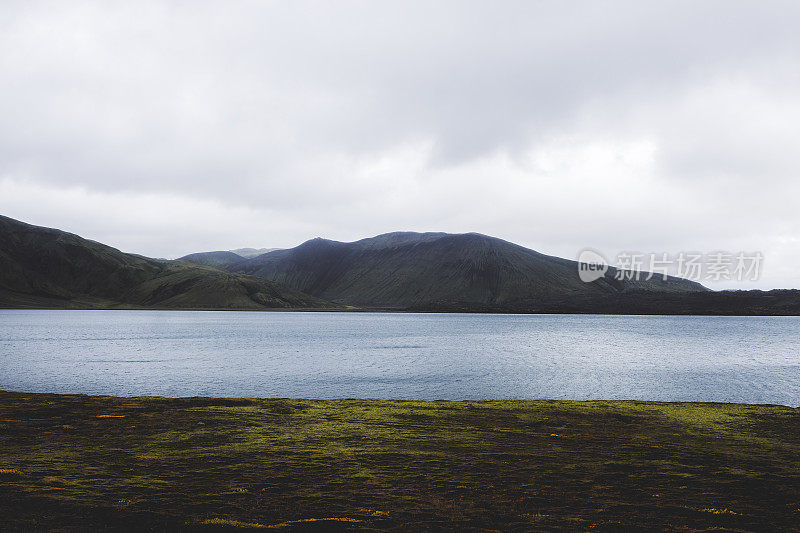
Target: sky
164 128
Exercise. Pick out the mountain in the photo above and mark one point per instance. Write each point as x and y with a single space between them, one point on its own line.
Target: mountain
440 271
43 267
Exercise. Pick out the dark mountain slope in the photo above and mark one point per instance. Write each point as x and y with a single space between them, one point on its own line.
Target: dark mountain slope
43 267
439 271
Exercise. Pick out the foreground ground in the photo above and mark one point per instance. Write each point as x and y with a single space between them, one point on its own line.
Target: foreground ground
78 462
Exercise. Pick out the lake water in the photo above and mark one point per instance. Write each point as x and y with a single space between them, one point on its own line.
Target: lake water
405 356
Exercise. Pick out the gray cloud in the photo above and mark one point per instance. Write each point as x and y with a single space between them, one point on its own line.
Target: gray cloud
555 125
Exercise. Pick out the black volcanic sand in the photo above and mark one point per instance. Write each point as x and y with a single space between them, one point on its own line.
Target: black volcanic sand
86 463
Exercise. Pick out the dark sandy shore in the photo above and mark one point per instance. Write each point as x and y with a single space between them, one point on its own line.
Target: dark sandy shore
87 463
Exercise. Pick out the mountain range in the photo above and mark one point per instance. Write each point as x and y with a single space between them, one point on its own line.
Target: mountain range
403 271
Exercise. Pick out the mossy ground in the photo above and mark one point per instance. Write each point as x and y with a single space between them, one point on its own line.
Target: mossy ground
87 463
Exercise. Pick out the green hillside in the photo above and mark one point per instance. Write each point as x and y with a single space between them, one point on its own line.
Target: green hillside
43 267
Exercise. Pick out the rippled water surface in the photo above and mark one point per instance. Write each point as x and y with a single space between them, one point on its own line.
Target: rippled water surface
408 356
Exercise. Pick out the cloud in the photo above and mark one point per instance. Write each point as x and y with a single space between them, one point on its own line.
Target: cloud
659 126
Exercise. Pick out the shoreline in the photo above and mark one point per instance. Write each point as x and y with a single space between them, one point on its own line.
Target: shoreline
147 397
77 462
401 311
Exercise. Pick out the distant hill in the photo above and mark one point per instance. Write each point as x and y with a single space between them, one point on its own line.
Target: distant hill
252 252
222 259
43 267
440 271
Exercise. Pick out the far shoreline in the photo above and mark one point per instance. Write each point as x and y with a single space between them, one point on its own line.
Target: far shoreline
398 311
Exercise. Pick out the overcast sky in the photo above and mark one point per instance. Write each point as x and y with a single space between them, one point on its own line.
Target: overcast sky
166 128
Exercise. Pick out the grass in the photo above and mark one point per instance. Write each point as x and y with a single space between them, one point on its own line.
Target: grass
85 463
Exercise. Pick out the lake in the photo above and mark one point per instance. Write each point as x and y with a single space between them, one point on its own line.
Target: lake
402 356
